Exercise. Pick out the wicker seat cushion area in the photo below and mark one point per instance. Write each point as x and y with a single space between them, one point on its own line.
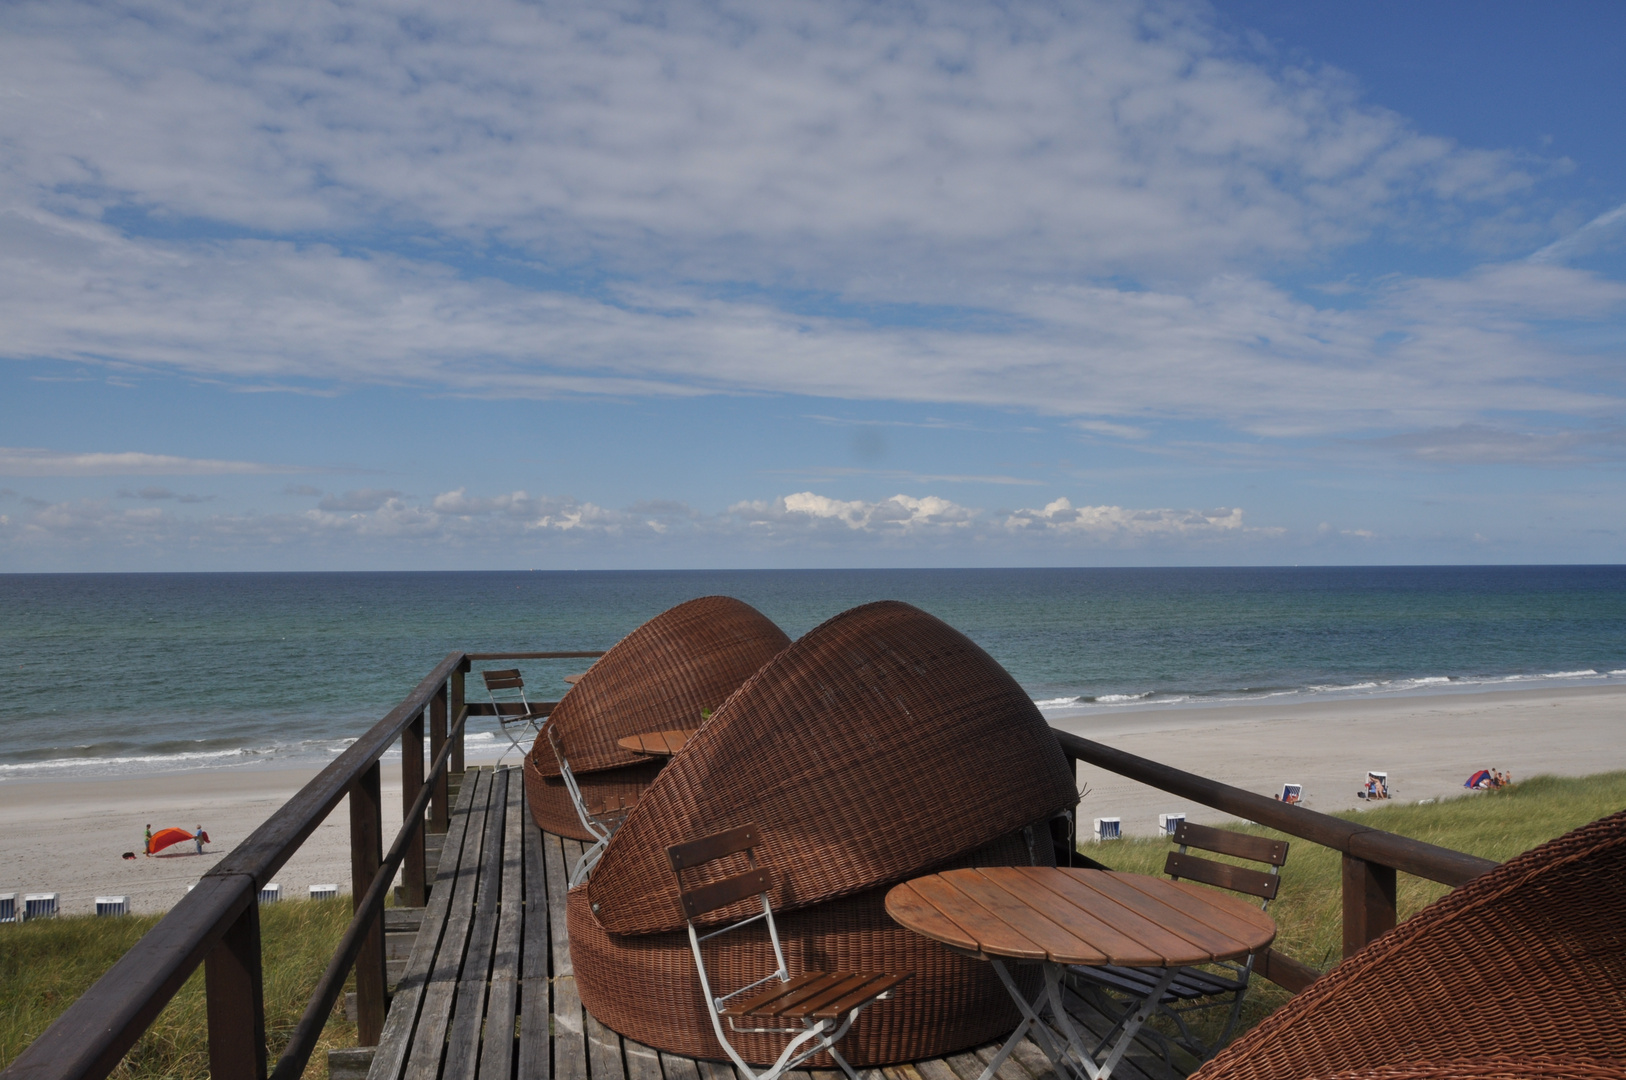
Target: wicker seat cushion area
881 743
660 676
549 799
645 987
1528 960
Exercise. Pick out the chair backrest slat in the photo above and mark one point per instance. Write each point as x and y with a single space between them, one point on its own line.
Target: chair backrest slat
716 846
703 898
506 679
1258 848
1236 878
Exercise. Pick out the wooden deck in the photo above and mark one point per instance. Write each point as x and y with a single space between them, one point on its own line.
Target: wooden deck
487 991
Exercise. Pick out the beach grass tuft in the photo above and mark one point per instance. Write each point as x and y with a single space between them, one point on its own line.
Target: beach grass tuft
47 963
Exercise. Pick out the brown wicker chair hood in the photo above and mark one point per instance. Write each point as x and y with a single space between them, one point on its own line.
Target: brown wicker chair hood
880 744
1527 962
658 677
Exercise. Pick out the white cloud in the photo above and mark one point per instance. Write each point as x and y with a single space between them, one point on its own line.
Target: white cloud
518 525
25 461
679 175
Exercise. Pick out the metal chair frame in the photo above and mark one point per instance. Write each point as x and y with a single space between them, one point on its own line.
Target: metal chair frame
1189 991
602 825
510 679
822 1033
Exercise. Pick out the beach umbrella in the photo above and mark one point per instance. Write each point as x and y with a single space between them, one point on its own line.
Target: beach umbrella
163 838
1478 779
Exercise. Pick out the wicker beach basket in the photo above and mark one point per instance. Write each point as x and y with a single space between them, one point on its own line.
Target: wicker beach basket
1525 964
659 677
645 986
882 745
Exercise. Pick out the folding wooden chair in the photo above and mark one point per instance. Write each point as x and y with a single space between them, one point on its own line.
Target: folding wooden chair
1119 991
599 819
511 714
823 1004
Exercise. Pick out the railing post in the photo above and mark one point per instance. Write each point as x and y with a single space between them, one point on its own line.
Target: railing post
413 874
235 996
366 856
1369 903
456 764
440 810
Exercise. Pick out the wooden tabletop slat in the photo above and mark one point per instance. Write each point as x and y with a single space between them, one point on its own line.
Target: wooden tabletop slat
1148 901
1096 939
1006 896
991 934
657 743
1237 919
908 908
1073 915
1159 941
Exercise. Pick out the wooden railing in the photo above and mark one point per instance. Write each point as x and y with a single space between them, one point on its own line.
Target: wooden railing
216 925
1371 856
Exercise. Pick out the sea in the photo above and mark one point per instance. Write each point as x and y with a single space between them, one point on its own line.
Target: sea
131 674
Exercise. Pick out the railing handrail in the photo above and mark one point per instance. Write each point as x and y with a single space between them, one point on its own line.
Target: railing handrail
267 848
1360 841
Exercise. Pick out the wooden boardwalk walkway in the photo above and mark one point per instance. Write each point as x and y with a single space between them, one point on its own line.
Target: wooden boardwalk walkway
487 992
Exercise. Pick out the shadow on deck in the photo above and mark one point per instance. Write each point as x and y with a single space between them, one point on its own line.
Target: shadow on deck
487 991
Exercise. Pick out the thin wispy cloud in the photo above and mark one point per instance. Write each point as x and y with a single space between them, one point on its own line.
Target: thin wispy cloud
24 461
1607 227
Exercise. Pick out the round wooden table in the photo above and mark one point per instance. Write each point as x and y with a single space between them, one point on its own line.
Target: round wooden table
1057 915
657 743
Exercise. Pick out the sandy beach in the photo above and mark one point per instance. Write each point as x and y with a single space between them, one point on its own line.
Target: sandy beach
67 836
1427 744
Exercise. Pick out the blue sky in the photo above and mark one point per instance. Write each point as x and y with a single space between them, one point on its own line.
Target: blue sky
314 286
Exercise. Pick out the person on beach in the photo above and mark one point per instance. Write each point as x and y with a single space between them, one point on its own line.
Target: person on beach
146 845
197 834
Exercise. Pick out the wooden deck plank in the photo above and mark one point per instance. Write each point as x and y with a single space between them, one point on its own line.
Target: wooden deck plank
499 926
429 1040
603 1050
401 1021
497 1053
536 1004
643 1063
679 1068
569 1038
474 978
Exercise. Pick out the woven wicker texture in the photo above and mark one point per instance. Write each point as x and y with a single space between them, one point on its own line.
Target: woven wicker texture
1528 960
646 988
659 677
881 743
550 799
1499 1068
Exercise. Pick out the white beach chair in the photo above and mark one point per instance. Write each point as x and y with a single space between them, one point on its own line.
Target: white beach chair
512 715
112 905
815 1008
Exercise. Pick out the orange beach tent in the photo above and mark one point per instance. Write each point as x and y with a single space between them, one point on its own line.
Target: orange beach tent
163 838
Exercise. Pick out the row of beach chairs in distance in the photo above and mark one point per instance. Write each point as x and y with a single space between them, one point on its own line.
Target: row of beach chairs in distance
15 908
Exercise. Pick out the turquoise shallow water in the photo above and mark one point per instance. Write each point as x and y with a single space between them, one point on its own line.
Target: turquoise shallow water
116 673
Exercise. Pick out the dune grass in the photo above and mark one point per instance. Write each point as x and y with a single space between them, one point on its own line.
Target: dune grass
1309 909
47 963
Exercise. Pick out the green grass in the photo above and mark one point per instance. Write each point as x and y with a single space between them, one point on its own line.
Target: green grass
1309 908
47 963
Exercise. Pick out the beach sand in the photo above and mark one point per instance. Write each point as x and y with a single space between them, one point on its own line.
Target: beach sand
1427 744
67 836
